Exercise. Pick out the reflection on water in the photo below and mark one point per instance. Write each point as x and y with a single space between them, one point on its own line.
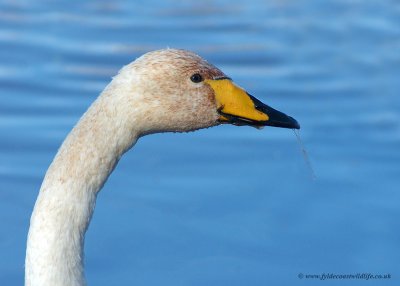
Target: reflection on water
228 205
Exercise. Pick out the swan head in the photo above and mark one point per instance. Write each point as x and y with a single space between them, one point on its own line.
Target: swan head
177 90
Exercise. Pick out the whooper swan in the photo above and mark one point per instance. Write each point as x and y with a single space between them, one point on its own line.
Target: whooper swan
162 91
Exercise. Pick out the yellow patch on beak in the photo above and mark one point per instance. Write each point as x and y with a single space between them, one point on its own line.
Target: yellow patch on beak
233 100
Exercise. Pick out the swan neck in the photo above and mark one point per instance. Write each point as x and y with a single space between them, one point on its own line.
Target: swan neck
67 197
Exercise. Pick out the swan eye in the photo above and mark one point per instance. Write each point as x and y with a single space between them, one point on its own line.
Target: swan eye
196 78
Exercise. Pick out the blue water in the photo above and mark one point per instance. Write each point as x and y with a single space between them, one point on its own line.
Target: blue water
228 205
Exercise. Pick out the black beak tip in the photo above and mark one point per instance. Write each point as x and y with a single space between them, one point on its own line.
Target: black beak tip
285 122
294 123
276 118
280 119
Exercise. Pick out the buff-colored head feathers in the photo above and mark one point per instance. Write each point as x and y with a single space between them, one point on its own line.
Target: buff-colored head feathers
161 82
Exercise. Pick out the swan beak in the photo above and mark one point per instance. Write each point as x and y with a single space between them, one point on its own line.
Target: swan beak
237 107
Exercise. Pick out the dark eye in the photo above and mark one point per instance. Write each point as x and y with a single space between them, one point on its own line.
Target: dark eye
196 78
